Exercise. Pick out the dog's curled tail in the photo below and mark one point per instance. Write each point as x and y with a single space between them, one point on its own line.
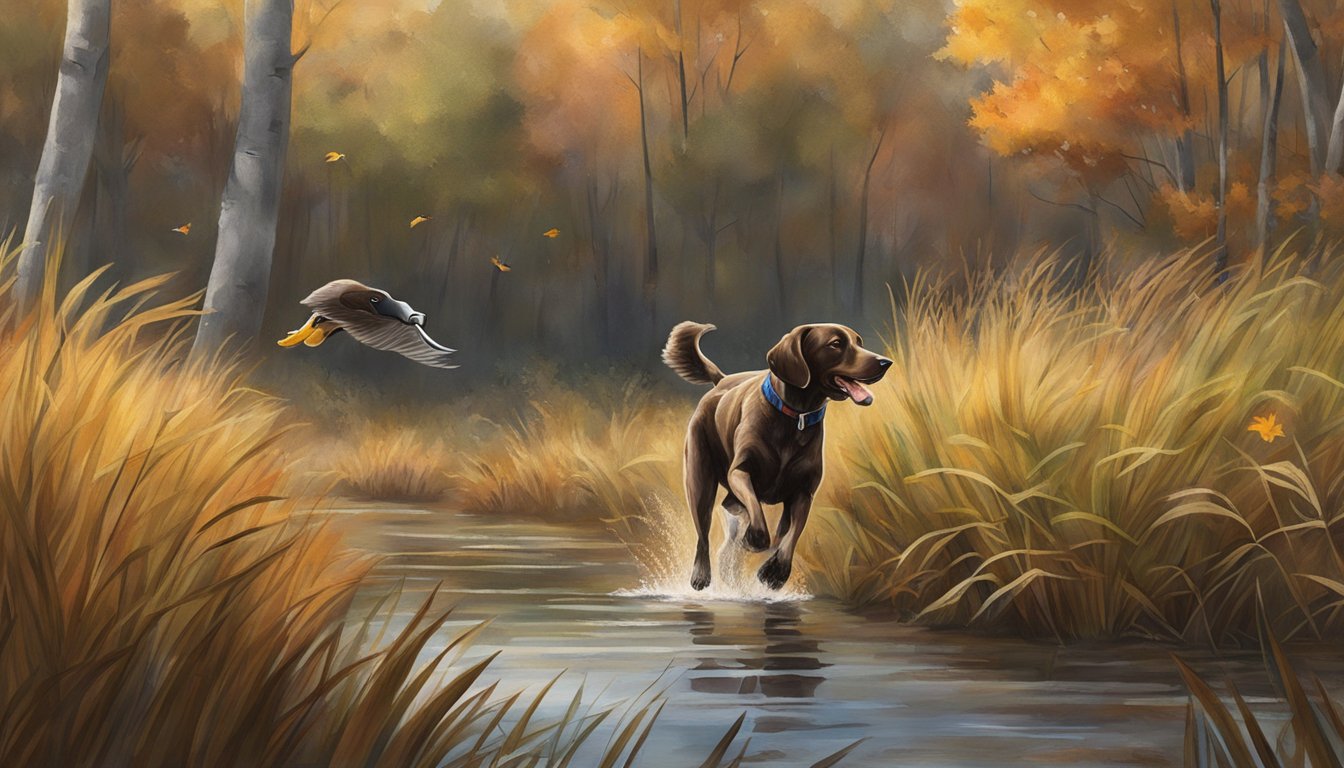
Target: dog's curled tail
682 354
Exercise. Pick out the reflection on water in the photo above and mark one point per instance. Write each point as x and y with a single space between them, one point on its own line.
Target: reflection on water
769 654
812 677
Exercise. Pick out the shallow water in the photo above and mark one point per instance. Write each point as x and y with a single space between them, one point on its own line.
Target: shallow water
811 676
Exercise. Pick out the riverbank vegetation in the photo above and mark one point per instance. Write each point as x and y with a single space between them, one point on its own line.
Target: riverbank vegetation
1095 462
172 594
1221 734
1047 457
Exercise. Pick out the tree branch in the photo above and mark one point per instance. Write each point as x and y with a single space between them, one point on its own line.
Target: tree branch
1153 162
1079 206
303 49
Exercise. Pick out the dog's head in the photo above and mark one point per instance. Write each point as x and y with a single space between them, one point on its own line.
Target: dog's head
830 358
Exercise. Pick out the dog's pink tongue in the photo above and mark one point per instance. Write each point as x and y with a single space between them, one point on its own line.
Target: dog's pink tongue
856 391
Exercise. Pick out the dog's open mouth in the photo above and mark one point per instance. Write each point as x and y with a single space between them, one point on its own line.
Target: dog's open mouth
854 389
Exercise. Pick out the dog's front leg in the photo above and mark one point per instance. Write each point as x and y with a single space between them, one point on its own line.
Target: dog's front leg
776 570
757 537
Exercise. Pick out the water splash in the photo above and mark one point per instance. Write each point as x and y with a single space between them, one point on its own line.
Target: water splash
753 592
666 567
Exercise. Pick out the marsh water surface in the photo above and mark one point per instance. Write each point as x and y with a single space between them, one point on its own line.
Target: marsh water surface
811 676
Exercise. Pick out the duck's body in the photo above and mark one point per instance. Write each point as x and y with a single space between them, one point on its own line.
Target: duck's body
373 318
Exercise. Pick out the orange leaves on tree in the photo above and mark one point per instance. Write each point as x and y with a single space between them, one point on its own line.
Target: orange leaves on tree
574 67
1194 215
1082 82
1329 190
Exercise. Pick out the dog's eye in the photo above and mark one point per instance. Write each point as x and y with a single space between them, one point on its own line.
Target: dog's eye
836 344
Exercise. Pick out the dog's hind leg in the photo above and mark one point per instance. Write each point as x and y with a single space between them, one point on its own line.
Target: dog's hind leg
700 491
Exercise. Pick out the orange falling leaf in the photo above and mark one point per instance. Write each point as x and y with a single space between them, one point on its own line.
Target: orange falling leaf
185 229
501 266
1268 427
418 220
333 157
551 233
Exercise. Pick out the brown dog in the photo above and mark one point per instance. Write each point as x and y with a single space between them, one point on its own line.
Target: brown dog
759 434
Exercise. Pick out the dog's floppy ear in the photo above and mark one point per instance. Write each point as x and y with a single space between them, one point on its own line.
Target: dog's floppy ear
786 359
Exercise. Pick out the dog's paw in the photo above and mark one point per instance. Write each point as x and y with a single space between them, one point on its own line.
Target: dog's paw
775 572
700 577
756 539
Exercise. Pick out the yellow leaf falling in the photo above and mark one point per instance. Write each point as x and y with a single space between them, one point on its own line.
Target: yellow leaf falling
418 220
551 233
185 229
333 157
1268 427
501 266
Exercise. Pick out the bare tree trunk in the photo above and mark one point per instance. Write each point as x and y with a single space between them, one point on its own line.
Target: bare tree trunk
681 78
780 286
454 248
1334 156
600 236
70 137
235 298
863 225
1264 220
1220 254
114 158
1311 78
833 237
711 246
1185 145
600 243
650 231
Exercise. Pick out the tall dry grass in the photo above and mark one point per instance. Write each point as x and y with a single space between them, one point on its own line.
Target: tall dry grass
163 602
1077 463
594 455
397 464
1042 459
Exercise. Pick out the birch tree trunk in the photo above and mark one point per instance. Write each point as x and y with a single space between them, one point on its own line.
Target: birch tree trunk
70 137
1334 155
1311 78
236 295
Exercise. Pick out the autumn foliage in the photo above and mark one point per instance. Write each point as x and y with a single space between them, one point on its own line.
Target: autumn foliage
1116 104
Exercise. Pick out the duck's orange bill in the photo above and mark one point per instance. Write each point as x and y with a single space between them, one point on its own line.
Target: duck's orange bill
317 336
301 335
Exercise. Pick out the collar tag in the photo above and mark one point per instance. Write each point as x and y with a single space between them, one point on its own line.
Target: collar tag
802 422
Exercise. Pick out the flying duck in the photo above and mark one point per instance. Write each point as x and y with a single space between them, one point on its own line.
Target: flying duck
373 318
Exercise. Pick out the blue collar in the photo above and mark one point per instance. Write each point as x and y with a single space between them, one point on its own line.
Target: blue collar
805 420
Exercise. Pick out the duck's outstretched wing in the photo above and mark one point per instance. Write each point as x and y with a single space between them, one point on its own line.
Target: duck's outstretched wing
409 341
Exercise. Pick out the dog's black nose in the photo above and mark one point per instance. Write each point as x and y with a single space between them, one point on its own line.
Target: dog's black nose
883 363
